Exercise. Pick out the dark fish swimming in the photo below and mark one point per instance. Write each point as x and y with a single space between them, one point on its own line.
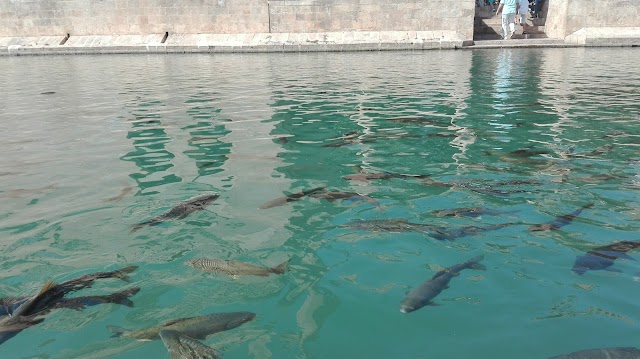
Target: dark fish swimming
606 353
388 225
383 175
17 314
235 268
427 291
602 258
560 221
280 201
451 234
180 211
52 293
333 196
471 212
195 327
416 119
181 346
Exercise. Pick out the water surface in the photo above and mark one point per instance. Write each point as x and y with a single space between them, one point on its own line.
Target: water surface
124 138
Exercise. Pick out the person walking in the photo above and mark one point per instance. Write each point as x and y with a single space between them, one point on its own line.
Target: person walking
509 9
523 11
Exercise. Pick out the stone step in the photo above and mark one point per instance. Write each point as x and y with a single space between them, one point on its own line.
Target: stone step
481 37
519 43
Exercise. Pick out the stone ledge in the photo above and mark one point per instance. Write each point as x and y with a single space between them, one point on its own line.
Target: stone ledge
258 42
605 36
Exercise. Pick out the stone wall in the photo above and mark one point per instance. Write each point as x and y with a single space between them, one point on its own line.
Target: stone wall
565 17
372 15
116 17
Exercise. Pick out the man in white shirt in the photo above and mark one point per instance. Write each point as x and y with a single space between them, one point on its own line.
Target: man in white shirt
509 9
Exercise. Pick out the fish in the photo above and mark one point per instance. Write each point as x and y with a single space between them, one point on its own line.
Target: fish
451 234
47 93
123 193
427 291
415 119
18 315
235 267
388 225
181 346
471 212
604 257
605 353
195 327
560 221
79 303
383 175
280 201
51 293
333 196
527 152
180 211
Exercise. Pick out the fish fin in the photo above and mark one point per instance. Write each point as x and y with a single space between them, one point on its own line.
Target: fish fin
478 266
117 331
175 321
281 268
46 287
122 273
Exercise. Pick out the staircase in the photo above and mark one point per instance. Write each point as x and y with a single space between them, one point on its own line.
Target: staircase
488 26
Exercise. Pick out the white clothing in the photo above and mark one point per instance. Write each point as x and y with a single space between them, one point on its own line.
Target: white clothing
508 25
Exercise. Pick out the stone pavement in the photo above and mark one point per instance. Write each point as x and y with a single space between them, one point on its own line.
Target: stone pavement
297 42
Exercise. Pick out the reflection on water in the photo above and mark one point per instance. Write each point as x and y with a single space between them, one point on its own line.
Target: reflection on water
523 136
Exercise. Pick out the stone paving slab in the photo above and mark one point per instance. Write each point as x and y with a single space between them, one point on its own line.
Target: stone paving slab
298 42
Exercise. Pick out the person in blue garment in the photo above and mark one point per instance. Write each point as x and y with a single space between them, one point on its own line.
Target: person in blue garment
509 9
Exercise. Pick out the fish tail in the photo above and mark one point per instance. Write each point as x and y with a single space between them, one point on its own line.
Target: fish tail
117 331
474 263
281 268
122 273
122 297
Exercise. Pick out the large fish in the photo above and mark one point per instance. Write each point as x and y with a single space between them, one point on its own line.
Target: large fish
451 234
383 175
472 212
388 225
78 303
604 257
560 221
333 196
196 327
181 346
417 119
427 291
280 201
235 268
606 353
180 211
18 316
51 293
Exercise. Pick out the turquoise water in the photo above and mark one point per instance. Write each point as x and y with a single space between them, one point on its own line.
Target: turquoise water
125 138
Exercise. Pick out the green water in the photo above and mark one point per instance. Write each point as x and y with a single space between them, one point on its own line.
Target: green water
125 138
